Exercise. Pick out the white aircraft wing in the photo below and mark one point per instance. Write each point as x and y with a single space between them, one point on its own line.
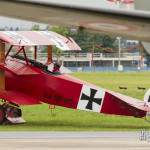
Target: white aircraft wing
117 22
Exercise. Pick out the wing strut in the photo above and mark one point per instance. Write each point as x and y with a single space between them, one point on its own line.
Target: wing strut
35 53
49 54
25 56
2 61
22 48
8 51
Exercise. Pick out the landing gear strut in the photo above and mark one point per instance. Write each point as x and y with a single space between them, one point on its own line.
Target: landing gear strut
2 114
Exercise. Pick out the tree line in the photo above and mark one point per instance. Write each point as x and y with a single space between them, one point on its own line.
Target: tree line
88 41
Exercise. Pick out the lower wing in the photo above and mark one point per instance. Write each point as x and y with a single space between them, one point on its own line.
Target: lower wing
18 98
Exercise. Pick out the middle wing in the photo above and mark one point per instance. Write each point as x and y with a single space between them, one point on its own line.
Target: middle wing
18 68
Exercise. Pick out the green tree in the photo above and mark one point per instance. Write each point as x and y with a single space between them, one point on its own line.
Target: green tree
57 52
86 40
61 30
36 27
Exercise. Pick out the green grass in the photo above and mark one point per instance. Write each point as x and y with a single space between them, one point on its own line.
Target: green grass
40 118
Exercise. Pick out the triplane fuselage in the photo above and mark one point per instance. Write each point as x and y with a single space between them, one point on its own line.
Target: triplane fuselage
27 82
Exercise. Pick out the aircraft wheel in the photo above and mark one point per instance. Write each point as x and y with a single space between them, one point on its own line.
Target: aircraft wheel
12 111
17 112
2 114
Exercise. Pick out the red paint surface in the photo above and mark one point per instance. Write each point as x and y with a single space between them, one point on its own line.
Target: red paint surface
18 68
48 88
115 105
18 98
123 1
62 90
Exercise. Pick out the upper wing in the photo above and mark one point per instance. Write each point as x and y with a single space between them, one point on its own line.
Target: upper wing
32 38
132 25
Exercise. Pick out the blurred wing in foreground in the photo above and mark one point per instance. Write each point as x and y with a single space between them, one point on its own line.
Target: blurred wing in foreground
116 23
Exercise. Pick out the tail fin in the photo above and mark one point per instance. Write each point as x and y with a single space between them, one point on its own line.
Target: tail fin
147 104
147 97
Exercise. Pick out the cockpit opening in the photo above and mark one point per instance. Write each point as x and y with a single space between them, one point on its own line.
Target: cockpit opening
51 68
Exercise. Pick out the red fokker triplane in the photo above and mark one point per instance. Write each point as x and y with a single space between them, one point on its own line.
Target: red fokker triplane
25 81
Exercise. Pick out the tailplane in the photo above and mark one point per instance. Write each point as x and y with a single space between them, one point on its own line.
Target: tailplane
147 97
147 104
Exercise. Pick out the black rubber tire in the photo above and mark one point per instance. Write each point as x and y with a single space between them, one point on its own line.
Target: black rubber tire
2 114
17 112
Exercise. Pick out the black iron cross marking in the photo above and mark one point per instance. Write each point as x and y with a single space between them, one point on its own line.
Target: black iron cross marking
91 99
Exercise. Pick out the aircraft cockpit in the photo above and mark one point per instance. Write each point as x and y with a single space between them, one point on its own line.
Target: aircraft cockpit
52 68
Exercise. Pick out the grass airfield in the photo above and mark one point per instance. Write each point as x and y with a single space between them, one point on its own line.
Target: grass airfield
40 118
